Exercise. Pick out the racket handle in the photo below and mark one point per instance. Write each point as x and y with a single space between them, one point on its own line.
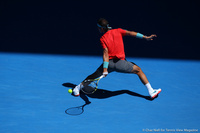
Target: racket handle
102 76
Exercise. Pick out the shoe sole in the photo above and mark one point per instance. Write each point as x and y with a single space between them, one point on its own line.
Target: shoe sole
77 95
156 94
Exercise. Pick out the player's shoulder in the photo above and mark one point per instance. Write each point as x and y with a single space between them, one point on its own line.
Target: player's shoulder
119 30
112 31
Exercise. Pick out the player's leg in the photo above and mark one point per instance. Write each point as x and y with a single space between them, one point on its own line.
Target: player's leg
94 75
152 92
129 67
137 70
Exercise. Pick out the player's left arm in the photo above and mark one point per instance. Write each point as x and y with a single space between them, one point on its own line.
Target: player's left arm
139 35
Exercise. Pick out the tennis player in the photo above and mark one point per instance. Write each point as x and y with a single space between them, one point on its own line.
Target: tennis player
114 56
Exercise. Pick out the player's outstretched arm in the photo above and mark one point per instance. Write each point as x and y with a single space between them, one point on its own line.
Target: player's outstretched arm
139 35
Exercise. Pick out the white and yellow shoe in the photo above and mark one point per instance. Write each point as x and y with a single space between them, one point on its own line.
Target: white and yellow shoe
76 90
154 93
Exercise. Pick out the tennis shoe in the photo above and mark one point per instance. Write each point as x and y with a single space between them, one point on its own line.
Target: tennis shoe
155 93
76 90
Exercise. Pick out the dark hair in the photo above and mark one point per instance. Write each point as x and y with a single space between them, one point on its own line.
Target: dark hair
103 22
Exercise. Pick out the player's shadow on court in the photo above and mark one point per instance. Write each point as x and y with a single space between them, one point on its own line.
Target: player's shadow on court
102 94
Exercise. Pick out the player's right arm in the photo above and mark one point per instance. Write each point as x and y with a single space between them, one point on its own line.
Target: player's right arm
105 59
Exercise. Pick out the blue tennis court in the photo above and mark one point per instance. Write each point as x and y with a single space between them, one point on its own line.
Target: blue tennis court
34 96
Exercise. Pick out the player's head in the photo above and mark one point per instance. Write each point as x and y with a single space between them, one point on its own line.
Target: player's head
103 25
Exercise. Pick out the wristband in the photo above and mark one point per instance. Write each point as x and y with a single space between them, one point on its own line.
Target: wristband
139 35
105 64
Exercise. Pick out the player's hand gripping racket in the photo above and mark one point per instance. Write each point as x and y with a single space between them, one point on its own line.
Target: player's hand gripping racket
93 85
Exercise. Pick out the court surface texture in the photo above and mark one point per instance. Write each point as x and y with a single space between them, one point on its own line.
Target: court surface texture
34 96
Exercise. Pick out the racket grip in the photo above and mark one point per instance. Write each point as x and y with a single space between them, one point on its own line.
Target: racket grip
102 76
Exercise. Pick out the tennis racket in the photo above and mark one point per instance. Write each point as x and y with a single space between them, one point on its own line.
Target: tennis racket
93 85
75 110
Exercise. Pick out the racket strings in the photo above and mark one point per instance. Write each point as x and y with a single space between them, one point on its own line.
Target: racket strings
93 84
90 85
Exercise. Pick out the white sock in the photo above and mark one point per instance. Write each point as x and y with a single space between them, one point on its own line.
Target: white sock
80 86
150 89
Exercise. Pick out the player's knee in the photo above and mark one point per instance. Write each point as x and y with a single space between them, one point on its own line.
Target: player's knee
136 69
